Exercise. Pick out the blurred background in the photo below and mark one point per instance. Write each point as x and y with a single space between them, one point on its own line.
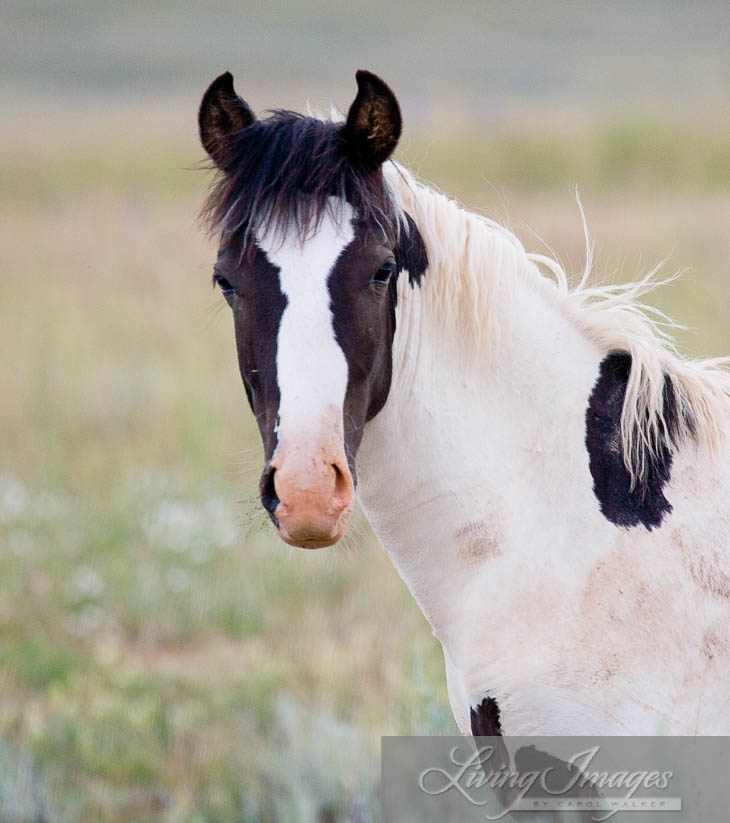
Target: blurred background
162 657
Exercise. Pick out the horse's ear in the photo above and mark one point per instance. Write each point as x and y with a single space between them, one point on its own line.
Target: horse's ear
373 123
222 112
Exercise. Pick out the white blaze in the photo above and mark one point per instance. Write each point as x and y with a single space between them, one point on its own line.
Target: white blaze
311 367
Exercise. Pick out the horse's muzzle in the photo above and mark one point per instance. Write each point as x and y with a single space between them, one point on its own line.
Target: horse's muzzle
308 491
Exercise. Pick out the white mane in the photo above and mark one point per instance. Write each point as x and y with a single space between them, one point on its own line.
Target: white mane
473 262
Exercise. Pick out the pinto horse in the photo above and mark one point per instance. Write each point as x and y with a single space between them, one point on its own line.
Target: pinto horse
549 477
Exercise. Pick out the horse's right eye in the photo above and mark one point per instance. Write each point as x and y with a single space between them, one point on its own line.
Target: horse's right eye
225 287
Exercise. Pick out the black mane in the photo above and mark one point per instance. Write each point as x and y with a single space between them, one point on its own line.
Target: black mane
284 168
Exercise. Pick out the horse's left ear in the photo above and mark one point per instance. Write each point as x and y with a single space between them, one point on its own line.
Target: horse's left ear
373 123
222 113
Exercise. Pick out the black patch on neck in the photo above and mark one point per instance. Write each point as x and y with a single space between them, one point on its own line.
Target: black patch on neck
485 720
411 252
645 504
411 256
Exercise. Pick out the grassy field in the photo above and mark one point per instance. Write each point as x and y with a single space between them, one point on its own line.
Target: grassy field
162 658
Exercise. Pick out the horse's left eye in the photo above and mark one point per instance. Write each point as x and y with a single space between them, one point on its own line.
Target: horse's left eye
382 275
225 287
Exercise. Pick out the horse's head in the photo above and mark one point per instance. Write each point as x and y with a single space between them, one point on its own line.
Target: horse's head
312 244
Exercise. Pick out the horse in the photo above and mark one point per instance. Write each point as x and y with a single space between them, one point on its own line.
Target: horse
546 473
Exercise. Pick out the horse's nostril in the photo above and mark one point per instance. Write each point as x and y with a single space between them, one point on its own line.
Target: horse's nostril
268 493
343 486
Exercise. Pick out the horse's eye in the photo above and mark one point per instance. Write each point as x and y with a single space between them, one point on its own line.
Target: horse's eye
382 275
225 287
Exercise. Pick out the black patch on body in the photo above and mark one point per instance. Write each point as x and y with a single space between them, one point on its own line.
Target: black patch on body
645 504
485 720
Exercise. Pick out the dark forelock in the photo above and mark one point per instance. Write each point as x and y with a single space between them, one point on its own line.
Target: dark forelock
284 168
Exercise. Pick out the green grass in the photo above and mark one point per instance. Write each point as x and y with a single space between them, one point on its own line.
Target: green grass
638 153
162 657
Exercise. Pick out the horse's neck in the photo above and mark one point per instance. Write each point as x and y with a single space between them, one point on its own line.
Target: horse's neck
475 477
476 459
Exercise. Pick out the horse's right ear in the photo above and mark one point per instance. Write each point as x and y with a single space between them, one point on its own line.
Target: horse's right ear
222 113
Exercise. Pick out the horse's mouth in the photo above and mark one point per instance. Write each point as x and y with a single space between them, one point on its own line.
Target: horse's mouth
308 489
316 538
